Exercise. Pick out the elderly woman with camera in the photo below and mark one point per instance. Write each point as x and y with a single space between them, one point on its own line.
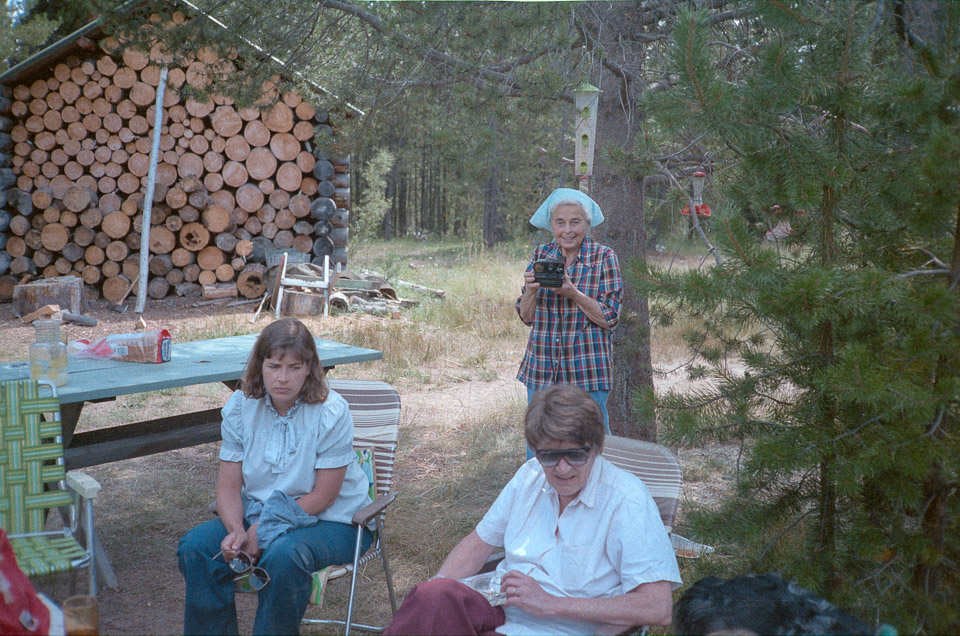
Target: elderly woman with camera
583 542
571 298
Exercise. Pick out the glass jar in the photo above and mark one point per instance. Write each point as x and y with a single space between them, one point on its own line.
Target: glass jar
48 355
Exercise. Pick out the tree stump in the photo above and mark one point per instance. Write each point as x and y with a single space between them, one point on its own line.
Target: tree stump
65 291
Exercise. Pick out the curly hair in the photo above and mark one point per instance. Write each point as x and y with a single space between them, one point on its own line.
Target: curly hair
287 336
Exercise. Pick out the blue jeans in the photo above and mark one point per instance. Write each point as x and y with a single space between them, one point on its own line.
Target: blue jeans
290 561
600 397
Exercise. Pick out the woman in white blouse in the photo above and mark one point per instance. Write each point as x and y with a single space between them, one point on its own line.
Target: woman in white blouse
288 485
583 540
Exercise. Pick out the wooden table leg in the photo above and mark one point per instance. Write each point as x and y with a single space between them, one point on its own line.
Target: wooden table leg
69 416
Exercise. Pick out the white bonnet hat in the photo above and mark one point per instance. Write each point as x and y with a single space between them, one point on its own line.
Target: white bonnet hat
541 218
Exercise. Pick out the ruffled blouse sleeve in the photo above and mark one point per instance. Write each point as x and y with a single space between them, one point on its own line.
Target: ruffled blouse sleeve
335 442
231 429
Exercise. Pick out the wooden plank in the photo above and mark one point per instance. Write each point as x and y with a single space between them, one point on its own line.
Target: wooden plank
117 443
350 283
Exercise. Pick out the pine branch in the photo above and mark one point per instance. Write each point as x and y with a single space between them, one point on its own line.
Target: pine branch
925 272
756 564
484 78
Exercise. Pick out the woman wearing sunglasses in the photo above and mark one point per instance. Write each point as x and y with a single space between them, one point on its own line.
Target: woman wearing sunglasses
583 540
288 485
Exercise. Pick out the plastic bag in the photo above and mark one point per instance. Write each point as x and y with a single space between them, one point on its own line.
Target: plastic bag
488 584
146 346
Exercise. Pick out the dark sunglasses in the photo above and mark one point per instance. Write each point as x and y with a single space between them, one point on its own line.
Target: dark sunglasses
574 456
242 564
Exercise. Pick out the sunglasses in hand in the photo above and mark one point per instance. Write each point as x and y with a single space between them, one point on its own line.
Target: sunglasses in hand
573 456
243 566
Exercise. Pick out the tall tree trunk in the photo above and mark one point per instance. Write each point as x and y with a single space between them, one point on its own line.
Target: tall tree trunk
387 224
565 131
401 222
937 490
621 199
493 222
444 207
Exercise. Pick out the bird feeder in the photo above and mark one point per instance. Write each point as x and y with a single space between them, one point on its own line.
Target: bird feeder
586 99
701 208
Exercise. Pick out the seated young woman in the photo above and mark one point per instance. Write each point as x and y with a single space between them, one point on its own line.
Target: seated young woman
288 486
583 540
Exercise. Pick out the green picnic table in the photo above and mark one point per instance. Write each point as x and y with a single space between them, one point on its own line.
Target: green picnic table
199 362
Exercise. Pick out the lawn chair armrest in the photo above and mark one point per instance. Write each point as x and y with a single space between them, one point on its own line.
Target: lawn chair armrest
82 484
492 562
368 512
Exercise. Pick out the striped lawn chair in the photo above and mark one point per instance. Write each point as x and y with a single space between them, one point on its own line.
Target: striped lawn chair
659 469
375 407
33 482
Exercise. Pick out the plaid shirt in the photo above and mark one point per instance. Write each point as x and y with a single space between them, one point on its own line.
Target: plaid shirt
565 346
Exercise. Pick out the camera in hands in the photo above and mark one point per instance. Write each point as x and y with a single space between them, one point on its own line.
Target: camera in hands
548 272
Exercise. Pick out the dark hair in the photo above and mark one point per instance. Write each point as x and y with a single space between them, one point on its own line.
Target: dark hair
563 413
287 336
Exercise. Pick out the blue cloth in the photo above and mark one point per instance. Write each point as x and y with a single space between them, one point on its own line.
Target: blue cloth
279 514
600 397
541 218
290 562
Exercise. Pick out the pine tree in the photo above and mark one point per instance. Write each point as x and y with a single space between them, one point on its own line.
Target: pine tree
834 354
21 34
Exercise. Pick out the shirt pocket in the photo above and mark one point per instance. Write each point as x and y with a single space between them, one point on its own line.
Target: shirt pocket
587 280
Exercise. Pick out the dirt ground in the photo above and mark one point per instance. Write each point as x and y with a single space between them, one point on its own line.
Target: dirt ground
147 503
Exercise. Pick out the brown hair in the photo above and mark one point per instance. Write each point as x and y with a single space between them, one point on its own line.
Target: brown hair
287 336
563 413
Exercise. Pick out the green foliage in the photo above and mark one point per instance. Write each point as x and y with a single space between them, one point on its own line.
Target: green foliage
21 36
367 215
834 354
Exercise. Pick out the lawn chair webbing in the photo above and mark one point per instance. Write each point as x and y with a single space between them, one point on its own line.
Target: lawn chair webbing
375 409
655 465
47 555
30 458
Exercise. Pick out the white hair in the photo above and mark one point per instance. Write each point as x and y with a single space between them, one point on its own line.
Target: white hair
569 201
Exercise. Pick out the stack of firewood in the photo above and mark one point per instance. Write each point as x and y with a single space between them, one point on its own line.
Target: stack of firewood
231 183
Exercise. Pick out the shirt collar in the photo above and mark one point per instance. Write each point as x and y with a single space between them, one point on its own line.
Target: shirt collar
582 255
588 494
290 411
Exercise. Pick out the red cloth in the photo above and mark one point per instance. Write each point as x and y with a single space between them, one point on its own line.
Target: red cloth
21 610
445 607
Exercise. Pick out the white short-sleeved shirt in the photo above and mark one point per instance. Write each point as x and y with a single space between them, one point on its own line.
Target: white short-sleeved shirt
283 453
609 540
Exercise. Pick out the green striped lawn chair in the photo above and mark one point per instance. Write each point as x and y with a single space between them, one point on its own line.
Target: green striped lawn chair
33 482
375 408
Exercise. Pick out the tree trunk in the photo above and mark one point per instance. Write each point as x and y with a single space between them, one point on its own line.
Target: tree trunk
622 200
493 221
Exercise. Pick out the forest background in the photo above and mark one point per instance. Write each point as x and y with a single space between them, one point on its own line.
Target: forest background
832 353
